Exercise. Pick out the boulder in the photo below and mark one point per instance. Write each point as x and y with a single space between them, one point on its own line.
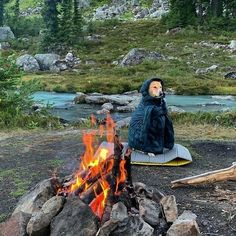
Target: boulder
58 65
185 225
71 60
108 106
80 98
230 75
5 46
232 44
142 14
27 63
149 211
123 123
206 70
169 207
84 3
138 55
35 198
16 225
46 60
39 223
76 218
6 34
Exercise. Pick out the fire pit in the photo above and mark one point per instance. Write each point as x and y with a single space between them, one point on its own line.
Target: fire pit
99 199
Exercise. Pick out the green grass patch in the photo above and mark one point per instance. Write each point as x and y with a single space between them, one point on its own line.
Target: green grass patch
183 55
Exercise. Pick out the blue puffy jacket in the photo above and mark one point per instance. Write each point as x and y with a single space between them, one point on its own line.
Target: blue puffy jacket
151 129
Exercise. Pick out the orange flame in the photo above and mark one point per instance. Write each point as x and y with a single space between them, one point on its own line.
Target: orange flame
98 204
122 177
93 120
96 165
110 127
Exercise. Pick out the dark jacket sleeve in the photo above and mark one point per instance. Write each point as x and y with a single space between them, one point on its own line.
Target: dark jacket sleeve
169 133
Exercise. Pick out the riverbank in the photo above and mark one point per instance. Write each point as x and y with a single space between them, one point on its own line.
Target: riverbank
27 158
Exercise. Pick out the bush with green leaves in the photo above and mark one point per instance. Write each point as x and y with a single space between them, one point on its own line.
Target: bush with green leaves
16 100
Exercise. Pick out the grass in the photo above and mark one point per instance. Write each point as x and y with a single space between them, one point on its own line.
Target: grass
178 72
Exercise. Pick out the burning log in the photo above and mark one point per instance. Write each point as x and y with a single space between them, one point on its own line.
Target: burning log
209 177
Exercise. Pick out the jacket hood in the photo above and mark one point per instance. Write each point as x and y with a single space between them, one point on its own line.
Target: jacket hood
145 87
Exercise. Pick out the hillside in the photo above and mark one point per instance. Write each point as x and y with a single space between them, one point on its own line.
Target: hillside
196 60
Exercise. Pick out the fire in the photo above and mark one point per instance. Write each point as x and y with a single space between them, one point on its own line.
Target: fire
95 168
98 203
122 177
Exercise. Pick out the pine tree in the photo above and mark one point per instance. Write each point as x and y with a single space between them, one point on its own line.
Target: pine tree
77 23
1 12
182 13
16 9
66 25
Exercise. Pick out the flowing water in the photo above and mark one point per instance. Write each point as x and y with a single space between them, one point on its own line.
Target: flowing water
63 106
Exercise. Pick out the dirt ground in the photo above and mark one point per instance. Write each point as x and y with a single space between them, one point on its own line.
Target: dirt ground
29 158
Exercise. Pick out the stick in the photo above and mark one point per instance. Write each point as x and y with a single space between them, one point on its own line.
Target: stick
209 177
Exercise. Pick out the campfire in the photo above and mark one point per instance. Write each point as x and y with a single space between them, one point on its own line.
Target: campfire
103 173
99 198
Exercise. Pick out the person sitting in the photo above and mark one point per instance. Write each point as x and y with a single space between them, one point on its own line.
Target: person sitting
151 129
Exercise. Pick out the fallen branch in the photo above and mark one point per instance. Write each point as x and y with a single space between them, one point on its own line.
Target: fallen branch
209 177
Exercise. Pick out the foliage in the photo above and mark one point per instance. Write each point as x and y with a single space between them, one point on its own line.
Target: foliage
227 119
191 12
16 101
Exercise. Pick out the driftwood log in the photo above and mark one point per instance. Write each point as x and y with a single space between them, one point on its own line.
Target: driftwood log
208 177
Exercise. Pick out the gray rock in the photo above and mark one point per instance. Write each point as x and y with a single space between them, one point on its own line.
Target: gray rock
185 225
5 46
138 55
115 99
169 208
232 44
6 34
27 63
149 211
135 225
84 3
127 108
76 218
134 92
206 70
39 223
16 225
59 65
175 109
35 198
123 123
72 60
108 106
90 62
142 14
93 38
103 111
46 60
80 98
118 216
230 75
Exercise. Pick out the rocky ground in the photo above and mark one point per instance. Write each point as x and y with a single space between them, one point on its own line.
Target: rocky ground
27 159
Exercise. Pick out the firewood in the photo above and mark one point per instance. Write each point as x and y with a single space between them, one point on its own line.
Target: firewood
89 194
208 177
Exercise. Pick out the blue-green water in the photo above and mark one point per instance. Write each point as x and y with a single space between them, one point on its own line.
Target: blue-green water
64 107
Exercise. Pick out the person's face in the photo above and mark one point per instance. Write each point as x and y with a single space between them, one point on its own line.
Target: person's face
155 89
